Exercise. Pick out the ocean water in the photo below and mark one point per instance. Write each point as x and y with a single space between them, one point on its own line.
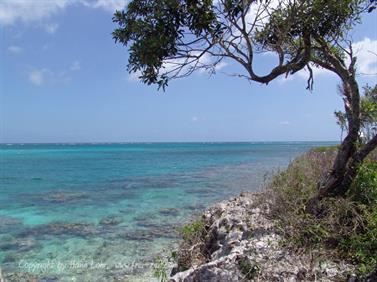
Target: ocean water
102 212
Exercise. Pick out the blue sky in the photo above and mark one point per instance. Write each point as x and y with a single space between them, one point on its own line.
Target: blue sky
63 79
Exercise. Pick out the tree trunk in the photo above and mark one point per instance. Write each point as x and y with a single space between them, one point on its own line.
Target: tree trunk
338 182
335 183
349 157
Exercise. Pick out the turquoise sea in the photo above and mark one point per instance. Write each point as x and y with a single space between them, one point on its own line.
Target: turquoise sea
103 212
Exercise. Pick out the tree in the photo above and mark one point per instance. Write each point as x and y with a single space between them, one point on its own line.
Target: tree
171 39
368 115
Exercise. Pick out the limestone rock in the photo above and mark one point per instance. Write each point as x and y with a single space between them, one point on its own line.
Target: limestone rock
245 246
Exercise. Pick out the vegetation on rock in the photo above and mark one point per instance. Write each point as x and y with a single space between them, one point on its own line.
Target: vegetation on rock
344 227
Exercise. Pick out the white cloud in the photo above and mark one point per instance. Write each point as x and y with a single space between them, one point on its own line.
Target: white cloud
220 66
75 66
194 119
51 28
366 53
46 76
110 5
12 11
15 49
285 122
36 77
261 10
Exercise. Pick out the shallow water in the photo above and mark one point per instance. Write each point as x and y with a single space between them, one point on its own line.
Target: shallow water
100 212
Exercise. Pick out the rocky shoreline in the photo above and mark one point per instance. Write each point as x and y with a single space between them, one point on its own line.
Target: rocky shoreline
242 243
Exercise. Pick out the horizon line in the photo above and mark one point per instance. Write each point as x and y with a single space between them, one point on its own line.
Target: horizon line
164 142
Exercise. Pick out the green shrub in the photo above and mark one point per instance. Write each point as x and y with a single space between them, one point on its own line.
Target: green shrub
364 190
347 227
193 230
192 249
362 245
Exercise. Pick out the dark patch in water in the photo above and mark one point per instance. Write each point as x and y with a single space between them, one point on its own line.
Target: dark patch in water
7 220
111 220
126 195
9 224
147 223
152 183
63 196
48 279
19 244
136 184
203 192
169 232
215 186
37 178
193 207
111 194
145 216
9 177
137 236
50 197
169 212
150 234
127 211
61 228
48 201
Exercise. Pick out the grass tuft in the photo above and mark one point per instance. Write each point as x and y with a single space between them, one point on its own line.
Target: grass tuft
192 250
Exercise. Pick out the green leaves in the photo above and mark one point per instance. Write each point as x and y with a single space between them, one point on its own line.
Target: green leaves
317 18
156 31
153 29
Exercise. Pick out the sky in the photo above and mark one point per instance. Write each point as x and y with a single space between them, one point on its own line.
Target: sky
63 79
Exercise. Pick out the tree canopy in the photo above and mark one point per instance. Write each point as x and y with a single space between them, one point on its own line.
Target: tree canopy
169 39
